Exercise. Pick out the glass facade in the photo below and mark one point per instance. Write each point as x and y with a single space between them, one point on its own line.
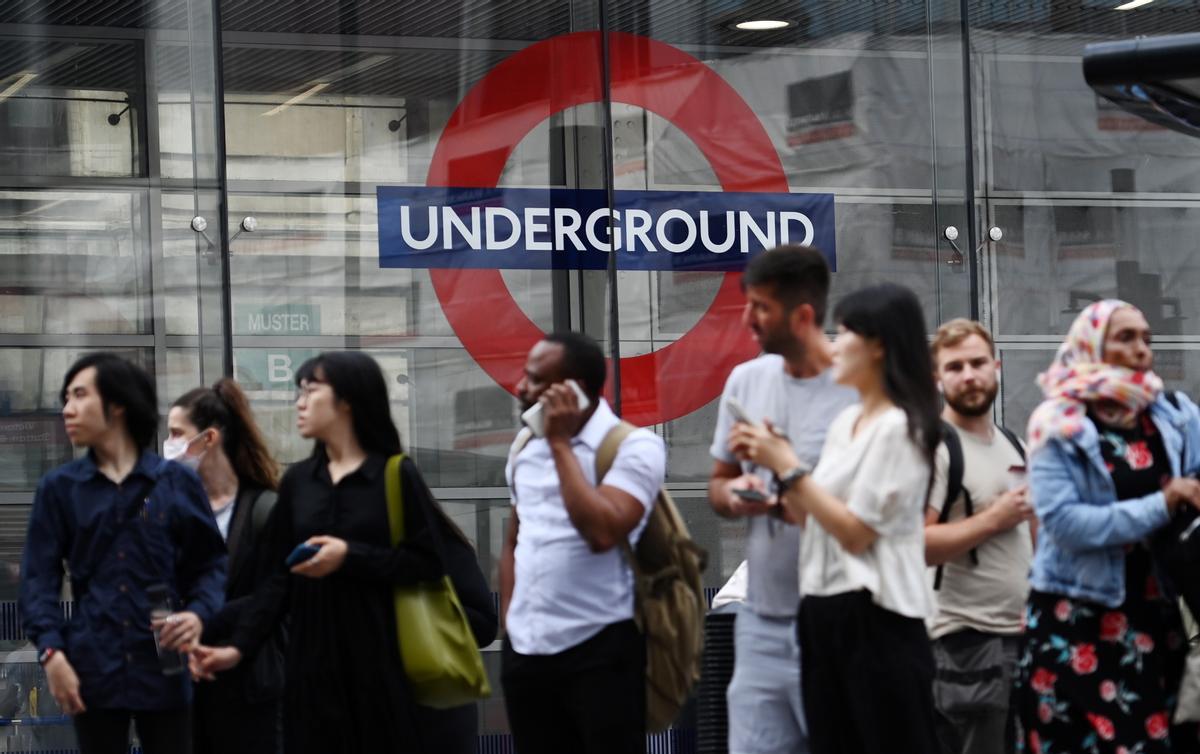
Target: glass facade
193 183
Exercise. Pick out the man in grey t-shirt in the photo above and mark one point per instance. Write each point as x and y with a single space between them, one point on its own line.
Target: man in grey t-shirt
786 291
982 559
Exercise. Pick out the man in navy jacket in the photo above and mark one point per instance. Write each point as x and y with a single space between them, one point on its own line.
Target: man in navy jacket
127 524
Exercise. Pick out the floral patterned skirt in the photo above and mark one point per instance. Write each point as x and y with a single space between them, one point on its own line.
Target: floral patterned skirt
1100 680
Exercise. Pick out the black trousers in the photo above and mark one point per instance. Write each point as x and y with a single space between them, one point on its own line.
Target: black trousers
590 699
106 731
867 678
226 724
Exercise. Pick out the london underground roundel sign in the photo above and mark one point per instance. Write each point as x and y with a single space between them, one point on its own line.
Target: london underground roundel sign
552 76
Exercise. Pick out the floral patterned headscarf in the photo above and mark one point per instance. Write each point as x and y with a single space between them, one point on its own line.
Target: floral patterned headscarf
1078 377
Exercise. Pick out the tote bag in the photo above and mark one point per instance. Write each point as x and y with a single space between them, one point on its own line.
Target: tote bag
442 662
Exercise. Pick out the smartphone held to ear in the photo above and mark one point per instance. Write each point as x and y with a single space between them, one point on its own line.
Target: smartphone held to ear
536 422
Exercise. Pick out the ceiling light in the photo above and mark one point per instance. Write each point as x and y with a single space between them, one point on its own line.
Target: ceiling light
768 24
1133 4
314 89
23 78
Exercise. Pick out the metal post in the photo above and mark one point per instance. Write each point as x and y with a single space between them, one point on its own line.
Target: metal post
614 324
222 192
969 147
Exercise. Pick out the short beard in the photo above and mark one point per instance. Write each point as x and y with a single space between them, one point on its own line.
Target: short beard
783 344
965 409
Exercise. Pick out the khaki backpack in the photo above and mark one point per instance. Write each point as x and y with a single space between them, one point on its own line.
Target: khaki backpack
669 597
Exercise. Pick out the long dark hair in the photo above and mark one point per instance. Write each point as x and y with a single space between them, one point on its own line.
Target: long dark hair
357 380
120 382
891 315
225 407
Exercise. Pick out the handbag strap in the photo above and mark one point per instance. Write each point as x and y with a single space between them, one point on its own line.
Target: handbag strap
394 487
395 498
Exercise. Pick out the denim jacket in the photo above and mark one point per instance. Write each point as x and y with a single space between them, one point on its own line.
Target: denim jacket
1083 528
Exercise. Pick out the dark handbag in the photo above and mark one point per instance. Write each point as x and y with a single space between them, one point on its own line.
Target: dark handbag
1177 550
1176 546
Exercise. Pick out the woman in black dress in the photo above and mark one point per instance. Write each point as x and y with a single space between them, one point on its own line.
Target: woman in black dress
346 687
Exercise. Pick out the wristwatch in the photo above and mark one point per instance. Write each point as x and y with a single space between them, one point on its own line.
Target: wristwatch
785 480
45 656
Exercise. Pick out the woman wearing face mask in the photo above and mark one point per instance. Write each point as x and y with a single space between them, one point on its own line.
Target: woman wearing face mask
1109 459
347 690
867 667
213 431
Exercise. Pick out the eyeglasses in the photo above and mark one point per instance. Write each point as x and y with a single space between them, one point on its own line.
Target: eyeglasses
306 390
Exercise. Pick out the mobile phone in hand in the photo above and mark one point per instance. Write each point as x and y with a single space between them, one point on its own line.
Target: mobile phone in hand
533 415
750 495
738 411
303 552
1016 476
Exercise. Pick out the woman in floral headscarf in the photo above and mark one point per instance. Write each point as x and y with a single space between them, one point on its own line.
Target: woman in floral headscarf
1109 457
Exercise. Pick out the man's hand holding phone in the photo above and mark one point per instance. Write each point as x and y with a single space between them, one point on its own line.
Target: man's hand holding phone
559 411
747 495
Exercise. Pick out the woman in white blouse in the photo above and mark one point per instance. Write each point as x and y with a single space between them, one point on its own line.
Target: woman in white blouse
867 669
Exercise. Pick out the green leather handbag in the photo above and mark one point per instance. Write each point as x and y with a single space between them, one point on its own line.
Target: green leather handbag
442 662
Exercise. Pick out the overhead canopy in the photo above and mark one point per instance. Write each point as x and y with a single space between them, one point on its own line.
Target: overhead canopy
1157 78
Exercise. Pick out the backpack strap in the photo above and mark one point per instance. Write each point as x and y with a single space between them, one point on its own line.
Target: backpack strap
954 475
954 488
605 455
1013 440
519 442
607 452
262 511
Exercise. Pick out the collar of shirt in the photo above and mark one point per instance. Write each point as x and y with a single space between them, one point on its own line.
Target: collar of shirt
593 433
370 468
147 465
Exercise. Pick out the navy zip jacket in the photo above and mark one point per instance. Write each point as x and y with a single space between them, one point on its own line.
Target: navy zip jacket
156 527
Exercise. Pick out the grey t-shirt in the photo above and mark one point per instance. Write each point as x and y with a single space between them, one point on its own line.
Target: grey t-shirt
802 409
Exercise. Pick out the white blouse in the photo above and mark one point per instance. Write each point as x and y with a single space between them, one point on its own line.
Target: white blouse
882 477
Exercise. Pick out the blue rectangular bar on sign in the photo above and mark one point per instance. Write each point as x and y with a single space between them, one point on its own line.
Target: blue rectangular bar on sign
543 229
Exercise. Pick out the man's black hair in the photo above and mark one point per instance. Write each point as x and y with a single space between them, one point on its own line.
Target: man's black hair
120 382
583 361
796 275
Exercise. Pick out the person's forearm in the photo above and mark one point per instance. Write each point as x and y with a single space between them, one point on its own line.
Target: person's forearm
832 514
507 567
945 542
596 518
507 580
717 497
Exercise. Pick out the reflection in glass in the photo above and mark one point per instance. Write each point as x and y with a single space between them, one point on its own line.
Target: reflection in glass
70 107
1055 259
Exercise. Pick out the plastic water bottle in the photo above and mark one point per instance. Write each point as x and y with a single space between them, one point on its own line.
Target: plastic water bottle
170 661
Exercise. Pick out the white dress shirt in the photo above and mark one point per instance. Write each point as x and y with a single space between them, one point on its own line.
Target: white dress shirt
564 593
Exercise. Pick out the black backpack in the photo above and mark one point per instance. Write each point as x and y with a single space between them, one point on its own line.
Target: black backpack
954 482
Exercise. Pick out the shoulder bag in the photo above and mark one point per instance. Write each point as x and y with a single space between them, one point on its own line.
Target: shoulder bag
442 662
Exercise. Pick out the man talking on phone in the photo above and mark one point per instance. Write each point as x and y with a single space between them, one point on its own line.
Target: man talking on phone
980 543
789 384
574 662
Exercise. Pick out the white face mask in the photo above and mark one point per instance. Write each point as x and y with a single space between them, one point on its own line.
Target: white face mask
175 449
